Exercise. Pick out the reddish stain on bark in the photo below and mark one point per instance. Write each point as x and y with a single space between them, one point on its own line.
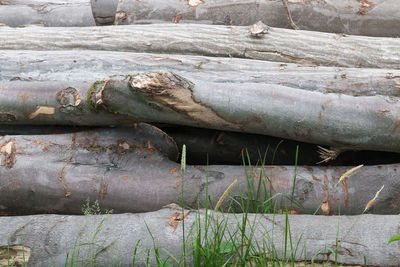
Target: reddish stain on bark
24 97
315 178
365 7
174 220
270 168
125 178
20 150
73 146
308 168
172 170
150 146
320 116
176 18
384 111
396 125
17 184
325 207
103 191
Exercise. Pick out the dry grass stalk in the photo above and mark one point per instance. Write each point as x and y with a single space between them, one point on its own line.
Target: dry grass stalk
369 204
348 173
327 154
224 195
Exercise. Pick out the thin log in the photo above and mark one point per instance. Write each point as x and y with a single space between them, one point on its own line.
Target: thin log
276 44
112 240
341 121
82 65
134 170
204 146
54 13
372 18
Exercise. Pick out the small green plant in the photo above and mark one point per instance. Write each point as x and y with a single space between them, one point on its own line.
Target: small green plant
93 209
394 239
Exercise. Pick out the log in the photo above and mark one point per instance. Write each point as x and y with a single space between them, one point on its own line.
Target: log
134 170
271 44
372 18
211 147
342 121
55 13
206 146
80 65
111 240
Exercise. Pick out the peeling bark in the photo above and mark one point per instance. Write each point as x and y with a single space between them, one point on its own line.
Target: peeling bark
134 170
341 121
373 18
82 65
281 45
114 237
54 13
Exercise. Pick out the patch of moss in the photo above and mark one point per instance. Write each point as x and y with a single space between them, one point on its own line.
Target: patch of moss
90 95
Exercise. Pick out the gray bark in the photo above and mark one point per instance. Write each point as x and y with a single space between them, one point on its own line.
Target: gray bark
81 65
54 13
110 240
127 173
373 18
342 121
281 45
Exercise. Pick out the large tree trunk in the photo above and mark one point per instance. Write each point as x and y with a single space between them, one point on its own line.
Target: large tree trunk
342 121
54 13
374 18
276 45
134 170
110 240
82 65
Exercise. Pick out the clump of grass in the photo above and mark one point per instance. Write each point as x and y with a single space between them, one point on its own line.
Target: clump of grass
213 240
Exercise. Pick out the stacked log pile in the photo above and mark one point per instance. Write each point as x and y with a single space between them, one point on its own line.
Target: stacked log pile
97 106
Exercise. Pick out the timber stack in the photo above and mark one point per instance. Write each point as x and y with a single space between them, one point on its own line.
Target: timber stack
163 110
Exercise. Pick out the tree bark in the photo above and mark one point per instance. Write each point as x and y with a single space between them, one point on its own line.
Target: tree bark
281 45
81 65
345 122
134 170
373 18
111 239
54 13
